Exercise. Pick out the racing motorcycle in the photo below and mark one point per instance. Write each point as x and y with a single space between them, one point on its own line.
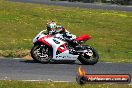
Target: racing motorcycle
53 49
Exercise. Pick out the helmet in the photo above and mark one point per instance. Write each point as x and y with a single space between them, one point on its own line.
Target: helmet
60 29
51 26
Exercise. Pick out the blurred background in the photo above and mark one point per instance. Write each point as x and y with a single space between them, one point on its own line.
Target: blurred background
121 2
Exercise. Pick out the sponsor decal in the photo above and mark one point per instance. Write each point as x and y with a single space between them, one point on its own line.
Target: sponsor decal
83 78
65 57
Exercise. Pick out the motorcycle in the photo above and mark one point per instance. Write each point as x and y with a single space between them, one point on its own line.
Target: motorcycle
54 49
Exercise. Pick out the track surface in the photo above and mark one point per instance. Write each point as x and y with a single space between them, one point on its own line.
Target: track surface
80 5
19 69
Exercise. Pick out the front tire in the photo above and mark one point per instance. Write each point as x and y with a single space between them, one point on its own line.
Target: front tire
41 53
89 60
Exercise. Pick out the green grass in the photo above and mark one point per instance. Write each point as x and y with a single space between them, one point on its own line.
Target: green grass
111 30
20 84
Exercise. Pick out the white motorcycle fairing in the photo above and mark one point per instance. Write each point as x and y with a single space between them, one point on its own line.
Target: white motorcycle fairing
53 48
60 50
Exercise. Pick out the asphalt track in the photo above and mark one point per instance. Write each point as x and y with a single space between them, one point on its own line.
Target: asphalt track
77 4
28 70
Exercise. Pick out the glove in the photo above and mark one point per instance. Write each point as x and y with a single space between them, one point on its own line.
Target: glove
52 32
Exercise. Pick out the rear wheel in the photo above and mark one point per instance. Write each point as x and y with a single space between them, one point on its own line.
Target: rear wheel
41 53
90 57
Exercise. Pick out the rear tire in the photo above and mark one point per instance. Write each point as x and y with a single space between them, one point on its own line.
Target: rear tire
41 53
87 60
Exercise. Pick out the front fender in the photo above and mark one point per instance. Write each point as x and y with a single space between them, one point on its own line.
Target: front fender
42 43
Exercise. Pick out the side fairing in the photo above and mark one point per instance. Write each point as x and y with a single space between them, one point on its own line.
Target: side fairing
60 51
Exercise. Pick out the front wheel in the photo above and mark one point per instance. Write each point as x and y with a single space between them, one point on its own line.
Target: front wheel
89 58
41 53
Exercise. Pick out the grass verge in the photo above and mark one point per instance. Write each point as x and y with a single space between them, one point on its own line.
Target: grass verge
111 30
21 84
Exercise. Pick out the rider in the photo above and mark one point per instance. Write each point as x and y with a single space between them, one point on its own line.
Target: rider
53 28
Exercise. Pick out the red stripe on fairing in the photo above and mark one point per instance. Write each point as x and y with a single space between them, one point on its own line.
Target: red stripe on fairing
83 37
48 36
43 40
62 50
